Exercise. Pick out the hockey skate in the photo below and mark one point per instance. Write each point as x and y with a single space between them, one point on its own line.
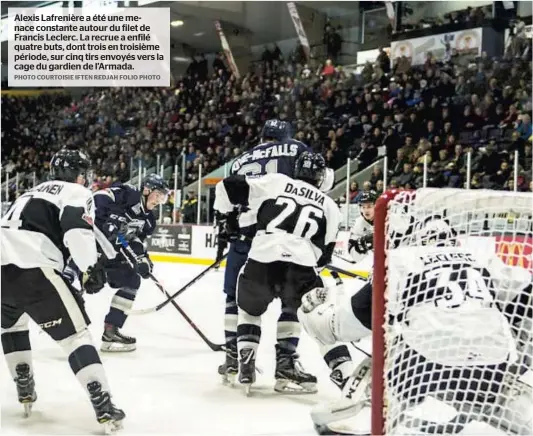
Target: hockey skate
229 369
114 341
247 368
106 413
291 377
335 417
25 387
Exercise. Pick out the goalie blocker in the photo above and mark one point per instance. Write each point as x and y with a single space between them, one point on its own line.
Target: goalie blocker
458 329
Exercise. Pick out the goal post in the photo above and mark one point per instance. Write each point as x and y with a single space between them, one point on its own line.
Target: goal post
447 331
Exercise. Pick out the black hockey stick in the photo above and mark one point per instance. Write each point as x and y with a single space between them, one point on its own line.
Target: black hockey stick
210 344
173 296
336 269
128 253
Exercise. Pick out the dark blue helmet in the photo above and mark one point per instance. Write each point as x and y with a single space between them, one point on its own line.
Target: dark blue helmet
154 182
310 167
277 130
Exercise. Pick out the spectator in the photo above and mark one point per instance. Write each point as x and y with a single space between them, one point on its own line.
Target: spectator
354 191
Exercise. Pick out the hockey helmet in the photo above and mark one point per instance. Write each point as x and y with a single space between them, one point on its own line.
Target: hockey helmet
154 182
310 167
368 197
277 130
437 232
68 164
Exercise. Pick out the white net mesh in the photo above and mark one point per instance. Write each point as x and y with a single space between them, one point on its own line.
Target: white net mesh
458 311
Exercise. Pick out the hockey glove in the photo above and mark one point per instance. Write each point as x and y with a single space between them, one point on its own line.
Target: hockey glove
93 280
228 227
362 245
144 266
114 226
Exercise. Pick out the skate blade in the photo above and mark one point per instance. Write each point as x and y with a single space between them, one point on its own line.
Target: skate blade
248 389
27 409
283 386
111 347
229 379
112 426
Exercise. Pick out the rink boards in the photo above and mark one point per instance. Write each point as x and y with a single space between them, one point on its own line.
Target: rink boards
197 245
191 244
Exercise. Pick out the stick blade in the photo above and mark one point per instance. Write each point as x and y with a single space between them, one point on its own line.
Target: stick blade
141 311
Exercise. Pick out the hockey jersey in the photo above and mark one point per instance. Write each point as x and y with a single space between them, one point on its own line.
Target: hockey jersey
120 209
47 225
360 228
266 158
447 303
296 222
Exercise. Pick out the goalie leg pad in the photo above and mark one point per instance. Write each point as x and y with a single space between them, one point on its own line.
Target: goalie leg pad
355 397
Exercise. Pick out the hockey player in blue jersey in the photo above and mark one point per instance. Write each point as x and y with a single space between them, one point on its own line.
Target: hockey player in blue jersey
277 153
124 210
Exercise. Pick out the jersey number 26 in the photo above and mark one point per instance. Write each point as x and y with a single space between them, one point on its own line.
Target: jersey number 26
302 221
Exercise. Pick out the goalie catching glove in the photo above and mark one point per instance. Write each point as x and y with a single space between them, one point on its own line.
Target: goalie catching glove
362 245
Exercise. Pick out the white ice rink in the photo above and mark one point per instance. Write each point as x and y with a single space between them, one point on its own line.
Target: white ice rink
169 385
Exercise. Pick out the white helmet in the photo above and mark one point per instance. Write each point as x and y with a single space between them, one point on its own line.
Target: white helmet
436 231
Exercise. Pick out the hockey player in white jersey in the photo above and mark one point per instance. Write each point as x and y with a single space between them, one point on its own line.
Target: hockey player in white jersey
40 231
297 226
362 232
473 306
360 244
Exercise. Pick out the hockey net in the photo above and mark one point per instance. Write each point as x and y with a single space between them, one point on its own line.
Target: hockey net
447 359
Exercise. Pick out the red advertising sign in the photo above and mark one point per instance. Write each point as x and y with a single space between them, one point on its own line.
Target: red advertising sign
516 250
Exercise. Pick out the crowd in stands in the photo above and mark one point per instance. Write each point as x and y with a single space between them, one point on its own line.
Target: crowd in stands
471 16
438 113
435 113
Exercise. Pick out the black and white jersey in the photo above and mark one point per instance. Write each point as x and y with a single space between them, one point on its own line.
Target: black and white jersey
273 157
48 224
360 228
296 222
447 295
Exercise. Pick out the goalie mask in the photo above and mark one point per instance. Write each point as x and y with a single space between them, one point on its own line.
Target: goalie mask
437 232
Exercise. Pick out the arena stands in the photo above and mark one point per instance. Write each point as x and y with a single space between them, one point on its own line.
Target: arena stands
435 113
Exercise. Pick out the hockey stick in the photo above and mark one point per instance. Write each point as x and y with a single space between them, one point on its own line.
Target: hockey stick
128 253
173 296
210 344
344 259
336 269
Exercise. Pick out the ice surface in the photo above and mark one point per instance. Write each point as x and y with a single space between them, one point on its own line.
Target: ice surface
169 385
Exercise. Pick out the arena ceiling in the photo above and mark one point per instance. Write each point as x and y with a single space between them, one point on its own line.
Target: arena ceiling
256 22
